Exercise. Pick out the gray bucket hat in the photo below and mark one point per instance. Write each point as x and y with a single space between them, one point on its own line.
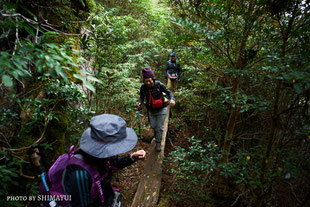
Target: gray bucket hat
107 136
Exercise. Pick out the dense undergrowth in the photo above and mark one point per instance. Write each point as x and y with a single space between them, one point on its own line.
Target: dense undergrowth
240 130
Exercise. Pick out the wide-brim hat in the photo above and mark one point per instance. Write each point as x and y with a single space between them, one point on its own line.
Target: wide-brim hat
107 136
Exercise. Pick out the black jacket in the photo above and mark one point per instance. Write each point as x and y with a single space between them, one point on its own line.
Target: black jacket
173 67
144 93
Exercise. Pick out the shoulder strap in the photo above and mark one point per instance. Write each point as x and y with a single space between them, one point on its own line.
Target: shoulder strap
150 97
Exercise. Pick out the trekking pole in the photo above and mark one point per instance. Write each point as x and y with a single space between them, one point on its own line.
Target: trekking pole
116 203
34 156
139 123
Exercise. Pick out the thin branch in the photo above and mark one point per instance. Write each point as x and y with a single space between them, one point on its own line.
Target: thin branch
23 175
293 192
61 25
38 140
242 136
23 95
171 142
234 203
46 27
254 63
16 38
6 141
37 35
219 50
292 107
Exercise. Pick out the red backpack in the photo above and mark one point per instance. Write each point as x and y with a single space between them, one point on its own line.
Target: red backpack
156 103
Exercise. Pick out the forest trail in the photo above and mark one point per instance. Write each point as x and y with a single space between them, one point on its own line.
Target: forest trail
162 12
158 7
148 189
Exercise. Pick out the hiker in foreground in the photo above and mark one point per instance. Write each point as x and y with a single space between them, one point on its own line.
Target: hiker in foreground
87 173
152 91
172 72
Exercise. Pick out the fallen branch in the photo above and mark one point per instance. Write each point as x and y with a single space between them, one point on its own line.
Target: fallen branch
241 194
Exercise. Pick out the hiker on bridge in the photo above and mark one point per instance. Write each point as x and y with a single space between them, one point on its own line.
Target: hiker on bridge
152 91
172 72
87 178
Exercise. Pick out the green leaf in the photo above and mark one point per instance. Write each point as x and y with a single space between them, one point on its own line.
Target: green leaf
50 45
78 76
84 72
27 10
89 86
65 68
91 78
47 58
14 74
52 72
63 75
7 80
29 30
58 69
71 62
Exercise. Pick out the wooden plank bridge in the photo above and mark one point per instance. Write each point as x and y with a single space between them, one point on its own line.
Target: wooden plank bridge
149 186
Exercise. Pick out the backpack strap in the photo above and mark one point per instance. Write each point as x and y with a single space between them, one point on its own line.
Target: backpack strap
150 98
71 151
111 167
97 183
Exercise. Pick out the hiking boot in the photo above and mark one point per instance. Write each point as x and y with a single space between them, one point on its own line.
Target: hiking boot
158 146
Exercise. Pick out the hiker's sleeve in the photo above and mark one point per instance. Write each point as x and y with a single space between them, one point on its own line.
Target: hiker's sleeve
179 70
122 162
77 183
141 99
163 88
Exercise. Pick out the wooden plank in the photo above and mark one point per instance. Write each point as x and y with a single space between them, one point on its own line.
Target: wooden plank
149 186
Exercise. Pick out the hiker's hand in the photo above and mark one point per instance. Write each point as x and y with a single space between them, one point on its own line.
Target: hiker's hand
138 155
172 103
138 105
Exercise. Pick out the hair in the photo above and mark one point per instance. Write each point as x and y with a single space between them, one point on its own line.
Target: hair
100 163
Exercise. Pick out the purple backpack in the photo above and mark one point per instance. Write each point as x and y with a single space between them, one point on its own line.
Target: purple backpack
55 177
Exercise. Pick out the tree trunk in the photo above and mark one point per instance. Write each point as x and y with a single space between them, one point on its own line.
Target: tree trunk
231 121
